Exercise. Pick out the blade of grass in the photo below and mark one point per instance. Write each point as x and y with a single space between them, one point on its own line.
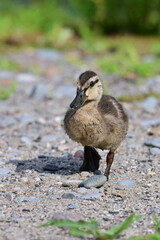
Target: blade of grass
116 230
157 224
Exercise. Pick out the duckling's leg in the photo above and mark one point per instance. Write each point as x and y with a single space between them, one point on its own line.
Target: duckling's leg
91 159
109 160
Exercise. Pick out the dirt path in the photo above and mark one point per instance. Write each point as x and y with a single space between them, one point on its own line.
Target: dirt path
32 136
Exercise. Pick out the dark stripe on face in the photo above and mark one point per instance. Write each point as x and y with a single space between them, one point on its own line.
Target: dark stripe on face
92 83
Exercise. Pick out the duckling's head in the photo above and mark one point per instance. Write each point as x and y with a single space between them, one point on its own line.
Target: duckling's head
89 90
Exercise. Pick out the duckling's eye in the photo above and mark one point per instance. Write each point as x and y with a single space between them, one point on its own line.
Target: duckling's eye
91 84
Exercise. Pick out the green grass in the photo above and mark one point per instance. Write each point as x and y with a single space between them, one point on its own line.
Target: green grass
138 97
82 228
6 64
6 92
126 62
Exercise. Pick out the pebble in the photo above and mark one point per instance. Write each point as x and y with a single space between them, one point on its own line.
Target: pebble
4 172
27 118
79 154
17 219
24 179
6 74
68 196
49 54
82 190
49 138
64 91
94 181
149 104
69 183
8 196
127 183
26 77
26 140
97 172
32 199
39 91
154 150
7 121
51 168
55 196
71 206
148 123
63 147
154 131
85 174
153 143
89 196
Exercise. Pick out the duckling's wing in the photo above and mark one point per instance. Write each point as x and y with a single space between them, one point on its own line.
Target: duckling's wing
108 105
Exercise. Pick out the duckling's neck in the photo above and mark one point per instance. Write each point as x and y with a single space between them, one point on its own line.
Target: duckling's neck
91 104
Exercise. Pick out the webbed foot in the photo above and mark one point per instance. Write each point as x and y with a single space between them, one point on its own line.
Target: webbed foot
91 159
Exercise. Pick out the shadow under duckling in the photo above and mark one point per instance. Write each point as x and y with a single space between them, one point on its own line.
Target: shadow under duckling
96 121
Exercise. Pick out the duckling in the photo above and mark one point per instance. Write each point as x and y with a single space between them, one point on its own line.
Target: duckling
96 121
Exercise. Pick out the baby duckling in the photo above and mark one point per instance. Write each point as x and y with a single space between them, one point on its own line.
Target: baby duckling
95 121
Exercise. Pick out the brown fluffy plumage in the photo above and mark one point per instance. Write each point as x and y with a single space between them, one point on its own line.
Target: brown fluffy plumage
97 122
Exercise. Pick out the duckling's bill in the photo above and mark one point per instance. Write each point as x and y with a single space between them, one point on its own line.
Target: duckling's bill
79 100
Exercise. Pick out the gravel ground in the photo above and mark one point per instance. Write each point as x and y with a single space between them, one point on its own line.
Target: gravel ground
32 137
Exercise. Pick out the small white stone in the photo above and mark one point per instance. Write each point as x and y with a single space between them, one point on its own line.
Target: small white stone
24 180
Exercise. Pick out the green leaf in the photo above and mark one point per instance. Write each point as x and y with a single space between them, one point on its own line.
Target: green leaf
157 224
79 232
69 223
154 236
116 230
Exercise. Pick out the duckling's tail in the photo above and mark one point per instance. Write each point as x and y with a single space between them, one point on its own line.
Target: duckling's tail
91 159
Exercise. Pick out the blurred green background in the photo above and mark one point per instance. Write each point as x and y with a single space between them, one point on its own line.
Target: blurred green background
44 21
124 34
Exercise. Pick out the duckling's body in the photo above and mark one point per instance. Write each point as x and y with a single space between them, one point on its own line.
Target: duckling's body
99 121
98 127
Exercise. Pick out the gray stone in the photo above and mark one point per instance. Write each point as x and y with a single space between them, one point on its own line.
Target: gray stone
26 140
27 118
7 121
51 168
153 143
150 104
148 123
97 172
94 181
49 138
127 183
68 196
32 199
64 91
49 54
8 196
153 84
26 77
55 196
129 135
82 190
39 91
89 196
4 74
71 206
4 172
17 219
155 150
69 183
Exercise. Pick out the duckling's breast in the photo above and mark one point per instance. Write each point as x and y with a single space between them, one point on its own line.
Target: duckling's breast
84 126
